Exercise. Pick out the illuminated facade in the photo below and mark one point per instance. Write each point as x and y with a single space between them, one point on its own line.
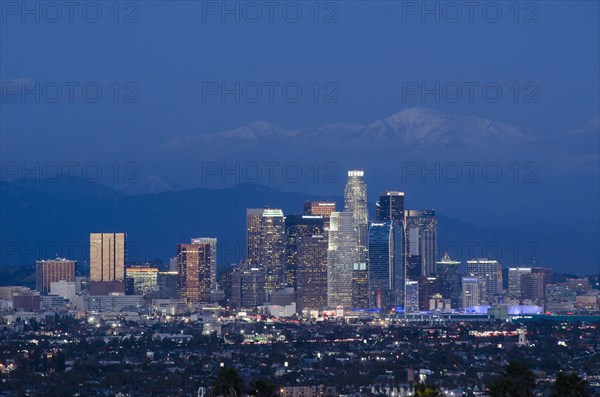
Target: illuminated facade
473 291
265 239
143 280
421 232
193 267
342 255
53 270
491 273
323 208
311 286
296 227
213 257
355 203
387 263
107 257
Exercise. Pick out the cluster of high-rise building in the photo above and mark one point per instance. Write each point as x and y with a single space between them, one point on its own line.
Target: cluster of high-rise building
338 258
322 259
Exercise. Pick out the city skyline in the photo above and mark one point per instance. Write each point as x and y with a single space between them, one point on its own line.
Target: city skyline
300 198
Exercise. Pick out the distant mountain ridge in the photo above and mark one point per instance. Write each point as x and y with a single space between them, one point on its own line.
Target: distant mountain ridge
414 126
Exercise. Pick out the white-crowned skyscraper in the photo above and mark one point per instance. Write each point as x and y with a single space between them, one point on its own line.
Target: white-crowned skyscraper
355 203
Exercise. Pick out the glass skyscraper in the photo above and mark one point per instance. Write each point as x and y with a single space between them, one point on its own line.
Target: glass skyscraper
390 206
342 256
421 231
355 203
387 263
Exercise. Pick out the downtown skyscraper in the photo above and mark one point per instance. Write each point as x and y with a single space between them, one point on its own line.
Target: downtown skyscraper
387 263
355 203
297 227
421 232
212 241
107 257
390 206
194 271
107 263
311 272
342 257
265 241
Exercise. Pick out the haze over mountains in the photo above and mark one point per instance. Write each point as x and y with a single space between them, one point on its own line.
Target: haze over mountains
414 126
41 220
492 182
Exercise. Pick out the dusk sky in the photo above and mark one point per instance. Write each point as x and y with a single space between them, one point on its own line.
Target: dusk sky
382 84
368 51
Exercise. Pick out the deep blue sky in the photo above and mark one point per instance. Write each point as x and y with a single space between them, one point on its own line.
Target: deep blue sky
369 52
372 49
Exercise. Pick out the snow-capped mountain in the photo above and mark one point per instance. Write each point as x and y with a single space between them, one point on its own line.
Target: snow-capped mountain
414 126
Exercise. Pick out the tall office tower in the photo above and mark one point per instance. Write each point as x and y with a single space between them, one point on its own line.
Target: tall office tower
390 206
411 303
247 286
323 208
428 288
212 241
107 263
311 281
193 261
53 270
514 280
141 280
355 202
297 226
473 291
449 276
266 245
167 284
491 273
421 232
533 287
387 259
342 256
107 257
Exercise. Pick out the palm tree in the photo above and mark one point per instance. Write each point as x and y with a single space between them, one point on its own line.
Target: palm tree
427 390
229 383
569 385
516 380
262 388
